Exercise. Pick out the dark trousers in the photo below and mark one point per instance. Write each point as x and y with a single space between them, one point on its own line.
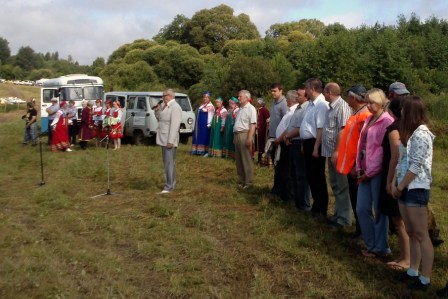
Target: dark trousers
49 131
315 173
353 190
300 189
282 179
72 132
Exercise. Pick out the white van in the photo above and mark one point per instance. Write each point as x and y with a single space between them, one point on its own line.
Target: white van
140 122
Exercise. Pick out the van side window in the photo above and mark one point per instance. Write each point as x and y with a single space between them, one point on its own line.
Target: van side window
122 101
141 103
131 101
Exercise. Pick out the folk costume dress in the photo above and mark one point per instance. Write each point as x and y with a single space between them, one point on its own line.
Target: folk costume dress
201 134
59 139
116 130
98 117
216 136
263 114
228 146
86 125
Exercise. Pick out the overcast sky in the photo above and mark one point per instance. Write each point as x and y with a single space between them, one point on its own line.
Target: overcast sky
87 29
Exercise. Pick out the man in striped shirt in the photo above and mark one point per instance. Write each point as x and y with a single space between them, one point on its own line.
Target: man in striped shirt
338 115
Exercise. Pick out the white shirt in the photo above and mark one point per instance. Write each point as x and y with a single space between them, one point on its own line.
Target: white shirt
315 117
284 122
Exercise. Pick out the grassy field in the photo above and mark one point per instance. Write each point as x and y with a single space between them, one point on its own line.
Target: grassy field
205 240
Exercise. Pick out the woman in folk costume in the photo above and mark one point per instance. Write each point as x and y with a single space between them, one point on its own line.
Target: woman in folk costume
59 125
217 130
86 125
107 118
263 116
98 117
228 147
201 134
116 129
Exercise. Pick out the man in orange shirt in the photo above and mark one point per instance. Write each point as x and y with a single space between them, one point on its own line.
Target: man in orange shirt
348 143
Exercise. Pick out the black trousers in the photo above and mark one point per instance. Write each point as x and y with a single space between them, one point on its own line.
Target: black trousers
315 174
353 189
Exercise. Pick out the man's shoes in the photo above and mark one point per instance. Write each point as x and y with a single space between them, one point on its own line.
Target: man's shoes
443 293
245 187
68 150
417 285
164 192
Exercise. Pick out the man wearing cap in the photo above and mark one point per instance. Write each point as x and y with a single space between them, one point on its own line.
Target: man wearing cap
243 134
338 115
348 143
311 134
397 89
51 110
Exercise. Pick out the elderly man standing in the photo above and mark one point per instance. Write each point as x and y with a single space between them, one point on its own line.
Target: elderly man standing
338 115
243 134
311 134
300 189
348 144
168 137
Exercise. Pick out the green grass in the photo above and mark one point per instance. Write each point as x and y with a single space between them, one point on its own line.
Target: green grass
205 240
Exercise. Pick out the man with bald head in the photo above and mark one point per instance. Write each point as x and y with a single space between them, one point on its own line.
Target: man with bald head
338 115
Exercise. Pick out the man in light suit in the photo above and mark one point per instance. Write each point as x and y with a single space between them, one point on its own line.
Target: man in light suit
168 137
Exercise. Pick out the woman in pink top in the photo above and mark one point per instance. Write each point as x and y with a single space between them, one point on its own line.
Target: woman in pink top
369 161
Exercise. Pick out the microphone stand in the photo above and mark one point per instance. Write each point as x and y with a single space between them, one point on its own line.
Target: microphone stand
108 192
42 181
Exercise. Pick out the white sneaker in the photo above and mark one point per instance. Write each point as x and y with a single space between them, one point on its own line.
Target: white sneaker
68 150
164 192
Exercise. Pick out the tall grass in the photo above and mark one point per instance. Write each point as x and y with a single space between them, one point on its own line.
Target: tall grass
207 239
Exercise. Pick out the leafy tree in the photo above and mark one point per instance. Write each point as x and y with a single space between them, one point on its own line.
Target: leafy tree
255 74
27 59
311 26
213 27
285 71
176 30
40 73
5 51
124 76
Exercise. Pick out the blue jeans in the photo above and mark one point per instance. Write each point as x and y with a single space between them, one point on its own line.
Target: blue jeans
416 198
374 225
30 134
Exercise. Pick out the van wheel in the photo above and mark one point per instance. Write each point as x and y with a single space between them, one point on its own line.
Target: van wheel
139 138
183 139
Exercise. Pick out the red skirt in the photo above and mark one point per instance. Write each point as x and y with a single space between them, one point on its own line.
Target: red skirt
59 138
116 131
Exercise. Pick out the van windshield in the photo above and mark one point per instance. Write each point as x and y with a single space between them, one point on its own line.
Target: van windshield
184 103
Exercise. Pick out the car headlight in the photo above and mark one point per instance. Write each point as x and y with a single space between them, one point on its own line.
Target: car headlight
190 121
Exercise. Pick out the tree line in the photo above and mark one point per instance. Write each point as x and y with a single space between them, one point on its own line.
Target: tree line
218 51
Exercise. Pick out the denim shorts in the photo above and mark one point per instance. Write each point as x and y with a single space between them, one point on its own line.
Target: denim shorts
415 197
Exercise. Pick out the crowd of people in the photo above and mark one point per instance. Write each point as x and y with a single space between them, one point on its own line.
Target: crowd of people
376 148
64 130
